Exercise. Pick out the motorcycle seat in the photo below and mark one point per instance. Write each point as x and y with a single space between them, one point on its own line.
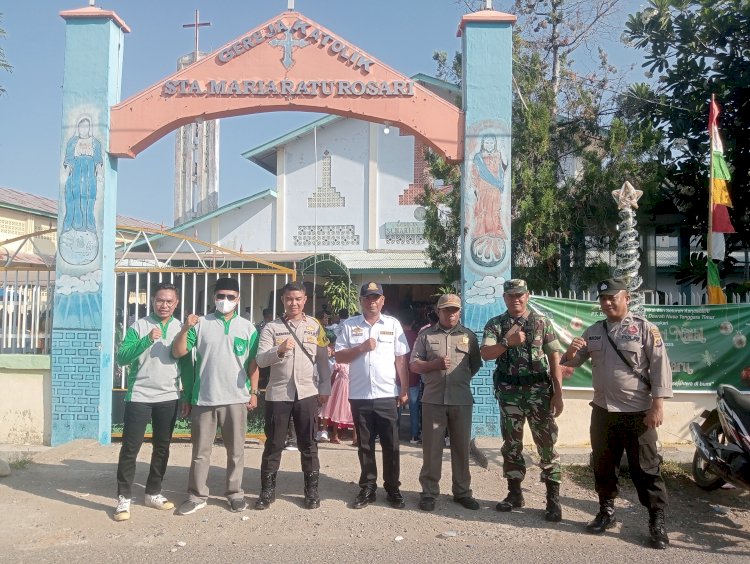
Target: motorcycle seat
737 401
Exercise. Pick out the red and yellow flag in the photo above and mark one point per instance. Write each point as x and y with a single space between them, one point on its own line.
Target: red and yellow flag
719 176
715 294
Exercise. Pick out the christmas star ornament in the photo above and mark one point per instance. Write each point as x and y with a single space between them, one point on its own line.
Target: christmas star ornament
627 196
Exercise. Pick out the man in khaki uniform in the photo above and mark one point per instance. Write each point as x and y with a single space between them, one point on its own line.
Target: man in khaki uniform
447 356
631 377
293 346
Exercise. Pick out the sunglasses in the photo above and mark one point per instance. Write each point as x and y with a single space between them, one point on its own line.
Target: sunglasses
230 297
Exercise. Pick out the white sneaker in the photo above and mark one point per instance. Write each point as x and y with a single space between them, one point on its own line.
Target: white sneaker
122 513
158 501
322 436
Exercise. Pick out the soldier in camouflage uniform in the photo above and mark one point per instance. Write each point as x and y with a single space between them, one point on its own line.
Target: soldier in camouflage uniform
528 386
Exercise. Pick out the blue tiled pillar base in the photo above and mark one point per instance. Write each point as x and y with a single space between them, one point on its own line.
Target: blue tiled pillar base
485 420
75 384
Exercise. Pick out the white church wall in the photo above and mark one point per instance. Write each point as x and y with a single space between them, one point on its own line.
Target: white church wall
341 227
395 174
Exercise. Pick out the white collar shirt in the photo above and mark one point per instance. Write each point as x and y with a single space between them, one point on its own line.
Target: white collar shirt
373 375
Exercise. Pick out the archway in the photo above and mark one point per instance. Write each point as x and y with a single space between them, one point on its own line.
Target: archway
289 63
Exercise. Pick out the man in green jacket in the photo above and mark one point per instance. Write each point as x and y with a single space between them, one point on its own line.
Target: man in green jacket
153 390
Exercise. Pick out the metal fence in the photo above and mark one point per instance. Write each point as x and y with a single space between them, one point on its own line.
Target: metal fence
26 318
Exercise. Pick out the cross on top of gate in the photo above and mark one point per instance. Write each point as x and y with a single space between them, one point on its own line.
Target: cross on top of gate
197 25
288 43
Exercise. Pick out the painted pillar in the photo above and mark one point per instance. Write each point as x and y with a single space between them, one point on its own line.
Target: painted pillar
83 322
485 198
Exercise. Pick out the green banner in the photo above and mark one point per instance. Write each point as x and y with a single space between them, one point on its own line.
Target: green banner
707 344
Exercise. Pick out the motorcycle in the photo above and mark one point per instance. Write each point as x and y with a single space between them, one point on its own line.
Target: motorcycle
722 442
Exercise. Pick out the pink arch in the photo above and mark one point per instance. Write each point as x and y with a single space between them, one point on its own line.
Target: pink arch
147 116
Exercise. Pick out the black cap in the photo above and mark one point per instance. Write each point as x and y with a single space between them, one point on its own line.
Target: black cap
611 286
370 289
227 284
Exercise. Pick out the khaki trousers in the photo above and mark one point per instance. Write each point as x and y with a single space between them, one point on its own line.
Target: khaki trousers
233 422
435 420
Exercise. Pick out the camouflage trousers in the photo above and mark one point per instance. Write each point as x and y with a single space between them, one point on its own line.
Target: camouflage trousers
533 404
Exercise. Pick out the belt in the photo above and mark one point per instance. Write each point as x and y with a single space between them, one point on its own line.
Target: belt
520 379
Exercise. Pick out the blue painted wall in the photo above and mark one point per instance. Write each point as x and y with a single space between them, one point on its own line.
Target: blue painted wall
83 322
485 199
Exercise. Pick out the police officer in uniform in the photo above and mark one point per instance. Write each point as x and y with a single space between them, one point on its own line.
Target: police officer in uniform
447 356
631 377
293 346
528 386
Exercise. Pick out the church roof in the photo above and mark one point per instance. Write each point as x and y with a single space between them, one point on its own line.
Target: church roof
47 207
265 155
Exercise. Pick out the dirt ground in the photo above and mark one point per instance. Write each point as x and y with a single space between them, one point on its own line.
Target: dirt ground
59 507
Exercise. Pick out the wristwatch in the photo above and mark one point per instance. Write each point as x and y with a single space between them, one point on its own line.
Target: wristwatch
504 342
255 392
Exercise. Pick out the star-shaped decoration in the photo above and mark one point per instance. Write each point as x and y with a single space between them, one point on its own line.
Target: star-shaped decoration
627 196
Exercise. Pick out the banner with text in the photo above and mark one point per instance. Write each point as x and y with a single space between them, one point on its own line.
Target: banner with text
707 345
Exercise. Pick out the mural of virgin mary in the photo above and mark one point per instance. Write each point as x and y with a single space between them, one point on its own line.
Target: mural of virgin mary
488 238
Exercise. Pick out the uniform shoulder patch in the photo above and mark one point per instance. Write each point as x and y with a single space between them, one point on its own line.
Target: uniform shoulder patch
657 336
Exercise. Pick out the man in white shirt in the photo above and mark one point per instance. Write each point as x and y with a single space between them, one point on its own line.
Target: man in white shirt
375 347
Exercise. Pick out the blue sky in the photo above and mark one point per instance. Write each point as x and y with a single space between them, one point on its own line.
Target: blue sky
401 33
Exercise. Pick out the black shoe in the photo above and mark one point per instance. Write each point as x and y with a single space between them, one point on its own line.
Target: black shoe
468 502
604 520
267 491
312 498
657 532
514 499
395 499
238 504
553 511
427 504
365 497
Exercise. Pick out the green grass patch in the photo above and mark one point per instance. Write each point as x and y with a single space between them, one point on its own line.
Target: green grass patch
675 474
21 463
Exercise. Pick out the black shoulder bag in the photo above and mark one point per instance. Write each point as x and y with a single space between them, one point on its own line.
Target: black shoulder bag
640 376
301 346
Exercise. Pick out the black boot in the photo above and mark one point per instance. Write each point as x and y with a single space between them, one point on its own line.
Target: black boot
514 499
267 490
312 499
553 512
657 532
605 519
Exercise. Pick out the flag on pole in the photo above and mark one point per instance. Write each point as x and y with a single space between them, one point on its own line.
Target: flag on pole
715 294
720 199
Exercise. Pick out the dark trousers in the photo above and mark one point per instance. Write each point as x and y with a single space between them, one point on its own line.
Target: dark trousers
377 417
611 433
137 415
278 413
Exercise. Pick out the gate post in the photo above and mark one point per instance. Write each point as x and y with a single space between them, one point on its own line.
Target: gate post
487 46
83 320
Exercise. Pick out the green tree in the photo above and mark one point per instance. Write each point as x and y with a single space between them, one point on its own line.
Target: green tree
442 203
694 49
4 64
341 294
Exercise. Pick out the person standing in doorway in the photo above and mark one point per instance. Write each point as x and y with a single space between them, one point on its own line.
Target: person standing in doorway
224 389
375 347
153 392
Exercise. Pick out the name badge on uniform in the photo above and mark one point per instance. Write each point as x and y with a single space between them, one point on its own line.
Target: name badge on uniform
386 332
358 332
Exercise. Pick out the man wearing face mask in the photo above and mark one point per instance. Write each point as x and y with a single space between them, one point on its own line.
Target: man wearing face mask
225 345
293 346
